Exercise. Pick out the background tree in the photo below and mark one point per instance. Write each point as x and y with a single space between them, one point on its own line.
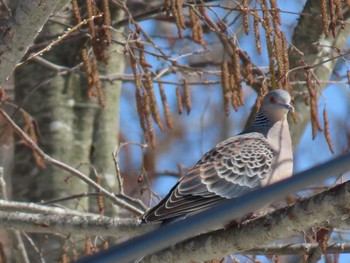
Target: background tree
204 58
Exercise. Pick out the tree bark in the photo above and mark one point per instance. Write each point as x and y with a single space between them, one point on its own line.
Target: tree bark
70 125
20 31
106 124
308 32
327 209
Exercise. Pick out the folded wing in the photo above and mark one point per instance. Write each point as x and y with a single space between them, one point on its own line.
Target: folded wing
231 169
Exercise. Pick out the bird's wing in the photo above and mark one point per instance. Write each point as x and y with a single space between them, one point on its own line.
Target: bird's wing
231 169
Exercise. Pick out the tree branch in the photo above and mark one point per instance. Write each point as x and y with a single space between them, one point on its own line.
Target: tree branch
71 170
13 206
20 31
74 224
299 249
327 209
16 235
310 46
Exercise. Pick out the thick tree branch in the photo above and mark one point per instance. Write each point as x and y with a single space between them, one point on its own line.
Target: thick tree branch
309 47
20 31
74 224
283 223
13 206
299 249
327 209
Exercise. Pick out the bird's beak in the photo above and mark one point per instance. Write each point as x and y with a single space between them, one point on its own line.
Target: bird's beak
287 106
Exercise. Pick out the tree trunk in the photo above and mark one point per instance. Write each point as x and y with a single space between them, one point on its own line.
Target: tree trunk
69 126
308 32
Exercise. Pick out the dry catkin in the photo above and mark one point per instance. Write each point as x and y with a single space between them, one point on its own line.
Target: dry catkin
245 18
257 31
225 82
168 119
327 130
187 97
179 100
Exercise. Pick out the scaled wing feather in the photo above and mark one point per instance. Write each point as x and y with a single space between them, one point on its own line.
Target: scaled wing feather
234 167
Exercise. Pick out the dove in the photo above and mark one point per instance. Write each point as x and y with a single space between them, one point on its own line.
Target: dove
258 156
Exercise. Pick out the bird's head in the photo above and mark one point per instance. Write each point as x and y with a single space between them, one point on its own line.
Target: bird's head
276 105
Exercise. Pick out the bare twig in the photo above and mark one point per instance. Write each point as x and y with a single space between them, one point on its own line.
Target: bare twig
59 39
22 255
35 247
48 159
13 206
116 161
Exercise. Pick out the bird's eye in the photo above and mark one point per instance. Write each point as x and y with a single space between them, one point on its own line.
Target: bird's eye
273 99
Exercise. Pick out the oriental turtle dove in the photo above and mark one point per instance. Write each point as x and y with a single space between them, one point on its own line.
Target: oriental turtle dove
260 155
